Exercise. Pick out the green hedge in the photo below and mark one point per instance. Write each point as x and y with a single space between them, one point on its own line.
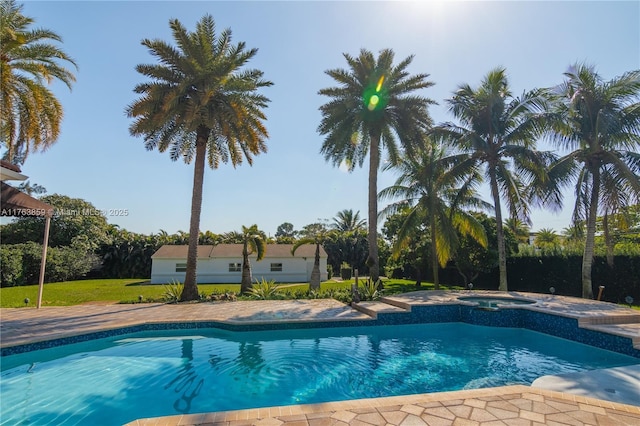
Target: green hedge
538 274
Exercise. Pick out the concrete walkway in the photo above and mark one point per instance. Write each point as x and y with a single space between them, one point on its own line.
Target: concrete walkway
511 405
621 384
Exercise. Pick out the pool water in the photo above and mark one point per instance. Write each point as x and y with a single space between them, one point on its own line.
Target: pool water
116 380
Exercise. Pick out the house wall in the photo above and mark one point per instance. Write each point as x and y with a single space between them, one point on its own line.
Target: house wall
216 270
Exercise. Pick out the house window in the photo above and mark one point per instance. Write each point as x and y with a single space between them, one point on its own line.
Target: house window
181 267
235 267
276 267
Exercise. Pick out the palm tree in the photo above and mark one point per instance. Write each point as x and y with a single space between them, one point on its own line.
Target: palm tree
437 187
547 239
373 105
599 123
31 114
314 234
500 131
253 242
518 228
200 104
348 221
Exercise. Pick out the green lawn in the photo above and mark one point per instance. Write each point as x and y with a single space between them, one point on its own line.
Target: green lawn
85 291
128 291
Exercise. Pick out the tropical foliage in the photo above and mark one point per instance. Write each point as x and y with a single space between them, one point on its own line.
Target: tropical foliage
473 259
264 290
200 103
436 188
518 229
598 122
374 105
499 131
348 221
547 239
29 62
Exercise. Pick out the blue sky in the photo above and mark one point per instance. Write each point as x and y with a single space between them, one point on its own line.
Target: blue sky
455 42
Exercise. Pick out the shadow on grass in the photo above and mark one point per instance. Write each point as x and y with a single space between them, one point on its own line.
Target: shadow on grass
391 287
139 283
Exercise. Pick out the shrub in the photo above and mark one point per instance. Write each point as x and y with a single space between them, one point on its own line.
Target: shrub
265 290
172 291
21 263
11 270
225 295
370 290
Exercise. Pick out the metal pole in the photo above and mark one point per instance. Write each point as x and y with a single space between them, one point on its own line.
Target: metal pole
43 262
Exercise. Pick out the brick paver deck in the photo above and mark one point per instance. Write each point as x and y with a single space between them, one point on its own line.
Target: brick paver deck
510 405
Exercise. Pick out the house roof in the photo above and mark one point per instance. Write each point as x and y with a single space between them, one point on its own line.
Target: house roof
16 203
235 250
10 166
10 171
180 252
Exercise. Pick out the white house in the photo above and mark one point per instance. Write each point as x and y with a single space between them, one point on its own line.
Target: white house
222 263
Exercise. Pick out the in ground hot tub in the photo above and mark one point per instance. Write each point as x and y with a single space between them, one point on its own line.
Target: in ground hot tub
495 302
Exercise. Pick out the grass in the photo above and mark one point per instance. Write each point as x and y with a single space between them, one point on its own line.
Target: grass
69 293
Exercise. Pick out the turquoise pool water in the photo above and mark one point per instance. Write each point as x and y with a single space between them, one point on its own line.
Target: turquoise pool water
116 380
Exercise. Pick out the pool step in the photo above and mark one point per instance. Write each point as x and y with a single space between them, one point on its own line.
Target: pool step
623 329
378 307
397 303
611 319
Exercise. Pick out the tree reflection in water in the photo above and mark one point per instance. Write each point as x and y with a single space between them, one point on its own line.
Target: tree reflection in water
186 383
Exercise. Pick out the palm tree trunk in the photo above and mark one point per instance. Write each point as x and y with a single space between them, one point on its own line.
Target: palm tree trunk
314 284
607 240
247 279
587 258
190 291
434 253
502 253
374 164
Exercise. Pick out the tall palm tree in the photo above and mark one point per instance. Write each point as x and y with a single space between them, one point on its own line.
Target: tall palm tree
599 123
253 242
437 187
374 104
316 234
31 114
348 221
500 131
200 104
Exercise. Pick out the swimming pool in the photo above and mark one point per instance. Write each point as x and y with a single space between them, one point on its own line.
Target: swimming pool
188 371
